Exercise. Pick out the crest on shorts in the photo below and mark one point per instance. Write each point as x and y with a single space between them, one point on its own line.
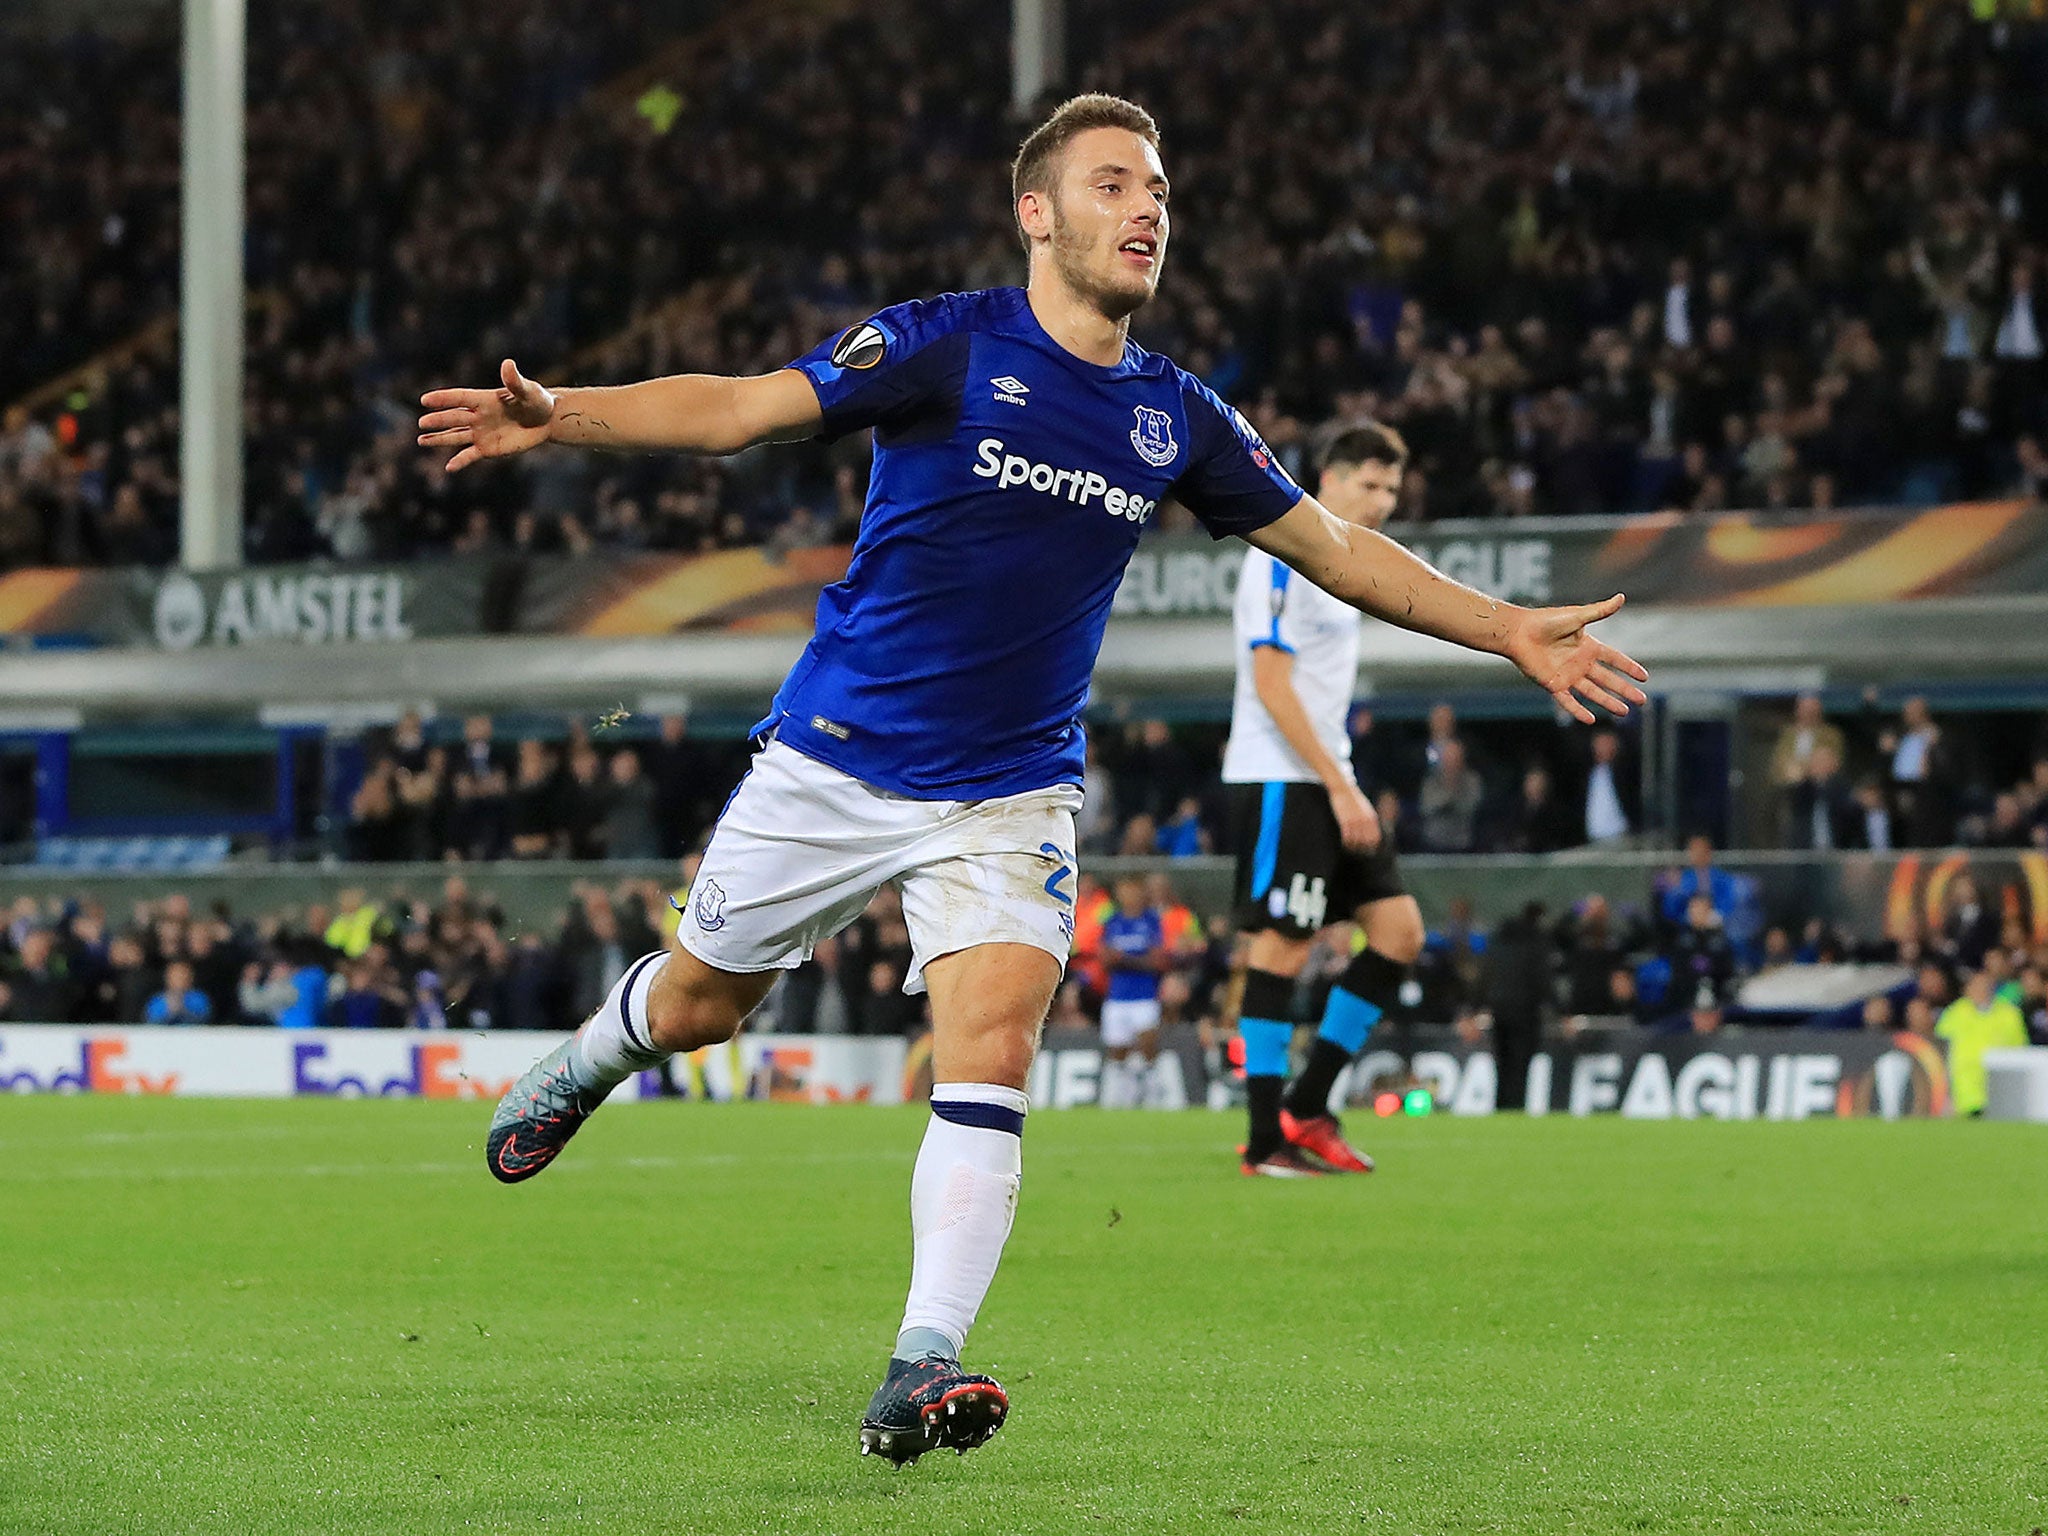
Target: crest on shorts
708 905
1153 437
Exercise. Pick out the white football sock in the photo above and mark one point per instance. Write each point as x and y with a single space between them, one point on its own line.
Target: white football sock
963 1197
615 1043
1110 1095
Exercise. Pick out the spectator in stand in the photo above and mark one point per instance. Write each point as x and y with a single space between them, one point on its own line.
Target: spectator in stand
1141 838
1874 815
1807 733
597 956
1448 969
1368 754
1539 823
1703 968
2033 1002
1450 799
1517 995
216 965
377 830
680 774
356 926
40 985
1974 1023
2006 827
1443 733
629 811
180 1002
1095 822
538 808
877 947
1821 811
1155 772
1922 778
266 992
1590 951
480 812
1181 836
1969 927
1611 789
362 996
1701 876
425 803
87 946
583 797
1546 340
133 978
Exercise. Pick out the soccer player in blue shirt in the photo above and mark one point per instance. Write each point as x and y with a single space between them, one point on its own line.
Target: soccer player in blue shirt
1134 954
930 737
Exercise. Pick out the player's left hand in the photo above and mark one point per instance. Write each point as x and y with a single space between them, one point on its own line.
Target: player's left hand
1553 649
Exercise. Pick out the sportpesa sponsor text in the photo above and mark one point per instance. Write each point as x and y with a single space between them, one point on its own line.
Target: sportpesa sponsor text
1080 486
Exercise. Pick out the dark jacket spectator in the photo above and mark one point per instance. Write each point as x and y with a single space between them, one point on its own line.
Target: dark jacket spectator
1821 810
1539 822
629 814
40 982
1923 775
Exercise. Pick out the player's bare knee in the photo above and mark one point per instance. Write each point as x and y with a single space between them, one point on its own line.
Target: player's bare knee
1394 928
1009 1054
691 1005
1277 953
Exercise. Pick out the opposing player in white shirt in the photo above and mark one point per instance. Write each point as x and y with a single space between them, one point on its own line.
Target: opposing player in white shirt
1310 849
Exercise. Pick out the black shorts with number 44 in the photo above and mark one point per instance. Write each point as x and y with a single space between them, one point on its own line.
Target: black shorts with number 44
1294 874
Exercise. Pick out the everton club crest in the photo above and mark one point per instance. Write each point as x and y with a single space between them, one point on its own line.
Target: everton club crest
1153 437
709 905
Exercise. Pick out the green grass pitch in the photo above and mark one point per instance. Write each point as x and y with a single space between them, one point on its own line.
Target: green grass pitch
323 1317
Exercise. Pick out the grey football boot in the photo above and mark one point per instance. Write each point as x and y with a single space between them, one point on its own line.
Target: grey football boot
538 1115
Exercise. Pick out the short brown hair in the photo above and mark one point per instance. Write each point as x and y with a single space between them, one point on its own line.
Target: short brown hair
1039 154
1363 442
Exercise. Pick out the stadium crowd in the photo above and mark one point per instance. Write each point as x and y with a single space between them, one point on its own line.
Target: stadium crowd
1670 959
464 790
1686 257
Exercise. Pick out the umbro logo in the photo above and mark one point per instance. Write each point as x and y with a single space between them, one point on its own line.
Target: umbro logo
1010 389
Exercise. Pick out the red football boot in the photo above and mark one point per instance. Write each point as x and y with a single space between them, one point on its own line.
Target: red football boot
1325 1138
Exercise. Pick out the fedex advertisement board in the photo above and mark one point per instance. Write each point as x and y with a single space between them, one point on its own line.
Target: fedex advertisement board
216 1062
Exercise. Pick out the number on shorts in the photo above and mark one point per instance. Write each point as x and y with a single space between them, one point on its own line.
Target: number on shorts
1052 881
1306 902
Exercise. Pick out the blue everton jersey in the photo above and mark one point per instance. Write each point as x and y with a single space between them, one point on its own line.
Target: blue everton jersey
1011 482
1136 933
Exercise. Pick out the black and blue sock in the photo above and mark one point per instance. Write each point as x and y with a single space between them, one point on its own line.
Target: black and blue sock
1264 1023
1369 986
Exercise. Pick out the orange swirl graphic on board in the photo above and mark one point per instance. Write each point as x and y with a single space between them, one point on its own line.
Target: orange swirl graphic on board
2034 870
1938 882
1742 541
1898 899
705 588
26 597
1908 562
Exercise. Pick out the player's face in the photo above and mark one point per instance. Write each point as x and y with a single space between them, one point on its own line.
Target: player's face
1368 493
1109 220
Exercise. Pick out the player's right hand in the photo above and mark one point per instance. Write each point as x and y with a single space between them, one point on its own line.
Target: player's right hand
1358 824
487 423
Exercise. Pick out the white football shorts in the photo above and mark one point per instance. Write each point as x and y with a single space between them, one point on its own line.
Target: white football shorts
1125 1019
802 848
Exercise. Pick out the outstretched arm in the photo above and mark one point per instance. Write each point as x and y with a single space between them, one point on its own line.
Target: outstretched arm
1373 573
686 413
